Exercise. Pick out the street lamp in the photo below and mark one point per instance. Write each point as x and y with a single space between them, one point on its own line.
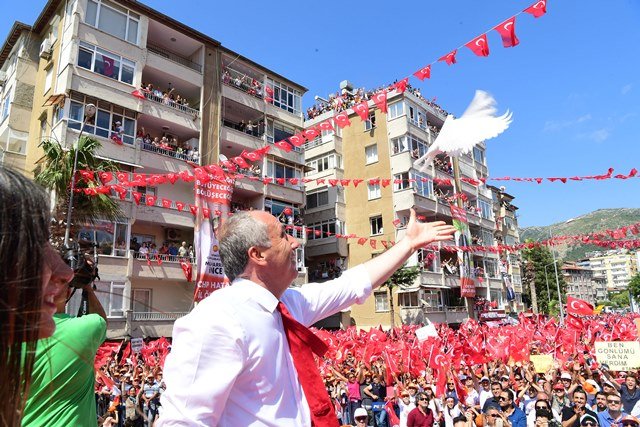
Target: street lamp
555 267
89 113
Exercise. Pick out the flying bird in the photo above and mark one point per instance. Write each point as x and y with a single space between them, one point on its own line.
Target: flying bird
458 136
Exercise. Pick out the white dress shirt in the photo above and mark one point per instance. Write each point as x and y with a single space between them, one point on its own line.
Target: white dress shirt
230 363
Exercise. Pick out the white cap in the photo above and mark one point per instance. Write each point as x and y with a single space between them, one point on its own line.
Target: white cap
360 412
565 376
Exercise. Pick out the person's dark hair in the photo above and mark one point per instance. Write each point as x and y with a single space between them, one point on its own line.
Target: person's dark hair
460 419
496 383
237 235
24 234
580 391
544 413
601 393
509 393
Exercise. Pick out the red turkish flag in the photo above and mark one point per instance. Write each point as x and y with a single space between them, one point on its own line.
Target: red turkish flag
179 205
86 175
310 134
150 200
449 58
326 125
166 203
296 140
251 156
423 73
240 162
138 94
122 177
380 100
136 197
537 9
362 241
356 181
479 45
187 269
342 120
372 243
507 30
193 209
362 109
401 86
579 307
206 212
105 177
284 146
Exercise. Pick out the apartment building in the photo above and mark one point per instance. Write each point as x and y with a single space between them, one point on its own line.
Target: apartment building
100 52
580 282
385 146
614 267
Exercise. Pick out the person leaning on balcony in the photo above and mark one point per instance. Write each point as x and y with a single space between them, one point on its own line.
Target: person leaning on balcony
183 251
237 337
62 386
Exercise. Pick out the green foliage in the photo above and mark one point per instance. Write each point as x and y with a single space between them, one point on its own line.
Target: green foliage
54 171
403 277
598 220
535 261
634 286
620 299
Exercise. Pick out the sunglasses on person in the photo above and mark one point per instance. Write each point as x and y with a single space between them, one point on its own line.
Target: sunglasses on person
361 419
588 423
615 402
629 424
423 398
493 415
503 399
542 407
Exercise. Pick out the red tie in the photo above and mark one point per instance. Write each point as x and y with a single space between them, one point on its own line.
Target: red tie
303 343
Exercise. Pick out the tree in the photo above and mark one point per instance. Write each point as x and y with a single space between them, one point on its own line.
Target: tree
54 171
634 286
620 299
403 277
539 258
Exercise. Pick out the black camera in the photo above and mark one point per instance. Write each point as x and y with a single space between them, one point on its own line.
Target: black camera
84 266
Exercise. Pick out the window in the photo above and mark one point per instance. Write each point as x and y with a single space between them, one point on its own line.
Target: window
485 209
48 79
106 63
6 103
323 163
43 129
394 110
315 200
371 154
104 122
399 144
429 260
285 97
376 225
370 123
478 155
280 170
373 191
382 301
16 141
110 295
432 299
324 229
141 300
113 19
508 221
401 181
408 299
418 147
491 268
112 238
487 238
423 184
417 116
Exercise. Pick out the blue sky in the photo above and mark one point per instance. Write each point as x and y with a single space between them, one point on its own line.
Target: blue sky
573 82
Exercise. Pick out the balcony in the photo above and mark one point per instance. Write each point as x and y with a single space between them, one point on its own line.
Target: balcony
171 104
158 214
290 193
231 136
158 267
175 58
157 316
326 246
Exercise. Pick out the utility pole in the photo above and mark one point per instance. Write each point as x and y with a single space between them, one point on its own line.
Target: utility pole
457 188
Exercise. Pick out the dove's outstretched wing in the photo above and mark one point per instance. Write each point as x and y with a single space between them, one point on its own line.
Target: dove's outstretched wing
459 136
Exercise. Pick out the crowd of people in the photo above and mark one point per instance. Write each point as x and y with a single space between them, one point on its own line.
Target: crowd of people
168 96
243 82
168 248
167 145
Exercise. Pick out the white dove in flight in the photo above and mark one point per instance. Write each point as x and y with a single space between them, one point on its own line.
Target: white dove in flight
459 136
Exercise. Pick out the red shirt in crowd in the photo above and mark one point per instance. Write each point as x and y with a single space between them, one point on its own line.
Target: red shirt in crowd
417 418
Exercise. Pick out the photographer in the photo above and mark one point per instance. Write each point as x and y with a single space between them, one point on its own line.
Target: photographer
62 387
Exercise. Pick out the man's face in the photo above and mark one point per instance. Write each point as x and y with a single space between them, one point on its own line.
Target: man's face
613 403
504 401
423 400
281 267
361 420
579 400
485 384
492 415
631 382
601 402
504 382
496 389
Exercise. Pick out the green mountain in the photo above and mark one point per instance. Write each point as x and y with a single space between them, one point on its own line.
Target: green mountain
602 219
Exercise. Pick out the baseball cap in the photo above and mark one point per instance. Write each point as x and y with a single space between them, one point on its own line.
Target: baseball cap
558 386
587 417
630 418
565 376
484 379
504 377
462 377
360 412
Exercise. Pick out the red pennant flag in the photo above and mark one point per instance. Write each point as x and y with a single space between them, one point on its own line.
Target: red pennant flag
186 176
345 182
280 181
122 177
138 94
252 156
372 243
201 175
241 162
116 138
294 181
229 165
284 146
150 200
193 209
380 99
206 212
356 181
479 45
172 177
401 86
326 125
507 30
423 73
136 197
385 244
538 9
105 177
166 203
334 182
449 58
86 175
362 241
385 182
342 120
268 90
187 269
296 140
311 134
362 109
180 206
580 307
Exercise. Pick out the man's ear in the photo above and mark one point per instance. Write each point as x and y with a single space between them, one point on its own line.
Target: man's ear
256 256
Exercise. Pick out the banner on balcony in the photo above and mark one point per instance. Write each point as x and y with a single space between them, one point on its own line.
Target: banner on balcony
214 195
465 262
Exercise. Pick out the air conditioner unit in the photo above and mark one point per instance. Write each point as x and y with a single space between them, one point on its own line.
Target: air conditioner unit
173 234
45 49
3 78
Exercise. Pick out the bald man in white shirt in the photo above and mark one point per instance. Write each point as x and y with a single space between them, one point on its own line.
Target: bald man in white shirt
230 363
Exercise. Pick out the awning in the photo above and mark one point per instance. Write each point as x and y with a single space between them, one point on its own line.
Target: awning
407 290
133 165
56 99
435 287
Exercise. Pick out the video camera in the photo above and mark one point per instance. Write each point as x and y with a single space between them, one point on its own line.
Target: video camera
84 266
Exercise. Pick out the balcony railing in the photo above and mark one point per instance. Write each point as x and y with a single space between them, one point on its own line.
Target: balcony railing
256 130
158 316
172 104
175 58
457 308
243 82
163 258
167 151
